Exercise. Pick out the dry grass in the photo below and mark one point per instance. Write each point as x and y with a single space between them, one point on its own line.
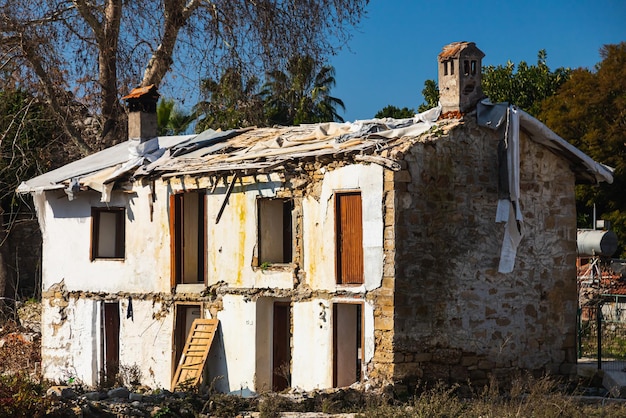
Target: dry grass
527 397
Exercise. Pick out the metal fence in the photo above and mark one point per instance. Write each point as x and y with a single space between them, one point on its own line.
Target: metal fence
602 335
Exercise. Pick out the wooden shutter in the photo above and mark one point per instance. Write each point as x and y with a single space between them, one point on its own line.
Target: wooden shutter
195 353
349 239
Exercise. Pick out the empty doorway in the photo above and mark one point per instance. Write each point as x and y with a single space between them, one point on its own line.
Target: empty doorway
281 347
347 343
188 244
111 341
185 315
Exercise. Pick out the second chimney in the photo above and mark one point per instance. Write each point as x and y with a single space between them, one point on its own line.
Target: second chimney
460 77
142 119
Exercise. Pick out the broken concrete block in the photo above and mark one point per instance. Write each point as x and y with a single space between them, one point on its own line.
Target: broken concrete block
119 393
95 396
615 383
135 397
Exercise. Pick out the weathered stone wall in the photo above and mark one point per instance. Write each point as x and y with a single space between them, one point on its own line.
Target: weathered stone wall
456 317
382 367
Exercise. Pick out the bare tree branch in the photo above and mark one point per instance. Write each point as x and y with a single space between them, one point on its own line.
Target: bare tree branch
96 50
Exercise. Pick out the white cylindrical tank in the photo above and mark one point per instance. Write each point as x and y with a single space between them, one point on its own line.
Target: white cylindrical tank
594 242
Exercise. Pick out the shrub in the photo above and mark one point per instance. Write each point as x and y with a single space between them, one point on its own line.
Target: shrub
21 397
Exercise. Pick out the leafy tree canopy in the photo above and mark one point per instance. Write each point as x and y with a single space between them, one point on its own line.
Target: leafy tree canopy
395 112
231 102
431 96
171 120
589 110
525 87
301 94
89 53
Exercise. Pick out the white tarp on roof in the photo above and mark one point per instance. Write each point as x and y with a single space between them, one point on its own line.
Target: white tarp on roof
98 171
118 154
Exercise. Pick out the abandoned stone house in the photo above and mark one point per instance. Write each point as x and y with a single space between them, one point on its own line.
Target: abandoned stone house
437 247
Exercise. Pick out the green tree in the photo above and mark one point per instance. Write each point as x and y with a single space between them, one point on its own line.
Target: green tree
88 51
589 110
391 111
301 94
231 102
525 87
431 96
171 120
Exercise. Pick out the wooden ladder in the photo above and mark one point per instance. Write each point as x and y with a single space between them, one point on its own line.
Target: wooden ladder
195 352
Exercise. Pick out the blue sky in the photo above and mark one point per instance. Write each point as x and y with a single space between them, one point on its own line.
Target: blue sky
395 48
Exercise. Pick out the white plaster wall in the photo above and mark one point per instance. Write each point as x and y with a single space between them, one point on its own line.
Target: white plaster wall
231 242
75 348
319 226
312 366
66 245
238 326
70 346
147 342
369 341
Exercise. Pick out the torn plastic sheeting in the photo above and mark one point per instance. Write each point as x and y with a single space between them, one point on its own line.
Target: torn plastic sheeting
203 140
544 135
109 157
504 118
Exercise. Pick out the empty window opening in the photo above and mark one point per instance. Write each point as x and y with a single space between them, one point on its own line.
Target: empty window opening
275 231
281 347
445 68
187 225
110 342
185 315
347 343
349 233
451 67
466 67
473 67
107 233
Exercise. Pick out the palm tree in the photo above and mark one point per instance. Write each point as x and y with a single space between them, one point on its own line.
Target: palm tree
231 102
302 94
170 120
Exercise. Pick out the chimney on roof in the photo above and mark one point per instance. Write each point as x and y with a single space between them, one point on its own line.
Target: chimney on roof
460 66
142 119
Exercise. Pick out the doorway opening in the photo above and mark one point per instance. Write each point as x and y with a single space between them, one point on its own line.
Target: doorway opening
281 347
188 244
184 317
347 343
110 341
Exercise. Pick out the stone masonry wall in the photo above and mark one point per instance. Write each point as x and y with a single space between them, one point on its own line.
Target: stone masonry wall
382 366
456 317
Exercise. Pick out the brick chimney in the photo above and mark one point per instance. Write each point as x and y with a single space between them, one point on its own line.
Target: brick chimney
460 66
142 119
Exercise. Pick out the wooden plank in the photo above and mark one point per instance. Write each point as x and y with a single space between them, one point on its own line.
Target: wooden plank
196 350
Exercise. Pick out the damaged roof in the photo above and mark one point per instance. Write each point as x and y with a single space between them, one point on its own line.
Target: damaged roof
454 49
258 150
